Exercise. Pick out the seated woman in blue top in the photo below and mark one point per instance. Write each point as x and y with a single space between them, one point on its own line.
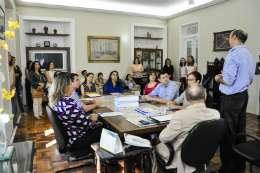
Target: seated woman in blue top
80 127
129 83
113 85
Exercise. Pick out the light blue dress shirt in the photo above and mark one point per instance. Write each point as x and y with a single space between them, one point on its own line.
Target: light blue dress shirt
74 96
169 92
238 71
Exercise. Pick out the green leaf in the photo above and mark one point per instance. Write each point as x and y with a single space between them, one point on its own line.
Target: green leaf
12 117
4 111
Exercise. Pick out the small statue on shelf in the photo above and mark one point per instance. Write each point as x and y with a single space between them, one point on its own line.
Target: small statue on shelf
222 61
216 62
55 31
33 30
46 29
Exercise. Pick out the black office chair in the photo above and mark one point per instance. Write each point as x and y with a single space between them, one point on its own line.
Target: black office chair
62 139
250 150
209 101
200 145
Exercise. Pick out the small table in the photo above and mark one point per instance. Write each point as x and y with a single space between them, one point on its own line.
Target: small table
24 154
128 153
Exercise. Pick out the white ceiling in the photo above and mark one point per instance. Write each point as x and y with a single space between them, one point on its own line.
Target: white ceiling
163 9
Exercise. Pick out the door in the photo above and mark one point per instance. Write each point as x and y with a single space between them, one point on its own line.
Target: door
191 48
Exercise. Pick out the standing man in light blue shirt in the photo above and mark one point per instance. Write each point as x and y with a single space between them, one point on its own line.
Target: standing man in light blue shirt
238 73
166 91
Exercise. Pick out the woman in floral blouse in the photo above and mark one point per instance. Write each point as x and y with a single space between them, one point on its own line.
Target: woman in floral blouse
79 125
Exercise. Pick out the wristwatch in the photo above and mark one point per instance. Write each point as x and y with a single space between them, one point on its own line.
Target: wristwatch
218 79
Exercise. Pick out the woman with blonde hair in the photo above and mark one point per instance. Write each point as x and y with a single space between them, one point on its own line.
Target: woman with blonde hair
80 127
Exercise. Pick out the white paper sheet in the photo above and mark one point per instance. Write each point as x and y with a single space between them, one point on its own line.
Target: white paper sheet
88 99
93 95
163 118
111 114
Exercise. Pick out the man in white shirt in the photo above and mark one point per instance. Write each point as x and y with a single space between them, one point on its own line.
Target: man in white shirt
84 73
84 104
180 125
193 77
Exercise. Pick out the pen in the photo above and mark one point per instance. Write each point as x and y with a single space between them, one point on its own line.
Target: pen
170 109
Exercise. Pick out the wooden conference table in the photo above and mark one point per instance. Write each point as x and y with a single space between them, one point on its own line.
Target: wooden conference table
120 125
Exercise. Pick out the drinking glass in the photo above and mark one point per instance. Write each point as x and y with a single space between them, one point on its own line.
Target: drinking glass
163 110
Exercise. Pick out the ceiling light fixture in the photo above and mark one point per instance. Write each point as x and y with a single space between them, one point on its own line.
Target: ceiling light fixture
191 2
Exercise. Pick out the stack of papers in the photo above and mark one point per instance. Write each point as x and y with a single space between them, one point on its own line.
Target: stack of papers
110 114
93 95
162 119
115 94
126 101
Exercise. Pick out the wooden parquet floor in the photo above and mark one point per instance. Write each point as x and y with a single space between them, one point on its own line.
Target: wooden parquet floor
48 160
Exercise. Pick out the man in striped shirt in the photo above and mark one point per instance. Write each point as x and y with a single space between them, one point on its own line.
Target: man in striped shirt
237 75
84 104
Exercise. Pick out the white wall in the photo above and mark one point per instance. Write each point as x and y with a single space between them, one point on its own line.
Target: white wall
232 14
96 24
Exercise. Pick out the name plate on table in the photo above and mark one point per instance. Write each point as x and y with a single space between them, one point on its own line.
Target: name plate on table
110 142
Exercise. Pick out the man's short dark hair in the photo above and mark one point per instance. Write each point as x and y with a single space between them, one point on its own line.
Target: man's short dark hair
72 75
197 75
241 35
83 72
195 95
161 73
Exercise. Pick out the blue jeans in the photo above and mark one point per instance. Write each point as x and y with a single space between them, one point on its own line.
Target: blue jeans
19 91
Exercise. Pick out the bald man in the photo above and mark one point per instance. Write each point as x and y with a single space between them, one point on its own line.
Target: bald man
238 73
180 125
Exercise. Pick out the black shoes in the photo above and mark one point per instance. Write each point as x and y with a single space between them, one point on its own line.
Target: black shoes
16 124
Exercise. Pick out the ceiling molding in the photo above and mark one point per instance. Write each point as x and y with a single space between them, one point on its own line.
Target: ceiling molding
195 8
19 2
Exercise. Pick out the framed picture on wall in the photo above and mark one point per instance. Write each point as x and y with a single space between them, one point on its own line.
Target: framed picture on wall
103 49
2 23
221 41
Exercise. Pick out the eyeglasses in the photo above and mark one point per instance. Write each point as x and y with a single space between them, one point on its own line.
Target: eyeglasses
114 75
190 79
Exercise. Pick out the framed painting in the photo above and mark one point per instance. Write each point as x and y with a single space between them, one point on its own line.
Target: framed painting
221 41
2 23
102 49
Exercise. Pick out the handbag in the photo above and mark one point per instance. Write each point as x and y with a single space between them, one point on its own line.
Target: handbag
37 93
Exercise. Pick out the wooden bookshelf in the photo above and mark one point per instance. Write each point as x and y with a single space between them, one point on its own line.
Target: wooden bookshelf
43 34
148 38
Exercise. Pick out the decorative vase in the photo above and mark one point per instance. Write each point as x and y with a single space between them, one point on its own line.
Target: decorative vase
46 29
147 34
139 44
2 138
33 30
55 31
222 61
216 61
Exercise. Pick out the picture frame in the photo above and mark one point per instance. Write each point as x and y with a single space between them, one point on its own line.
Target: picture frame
2 23
103 49
221 41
